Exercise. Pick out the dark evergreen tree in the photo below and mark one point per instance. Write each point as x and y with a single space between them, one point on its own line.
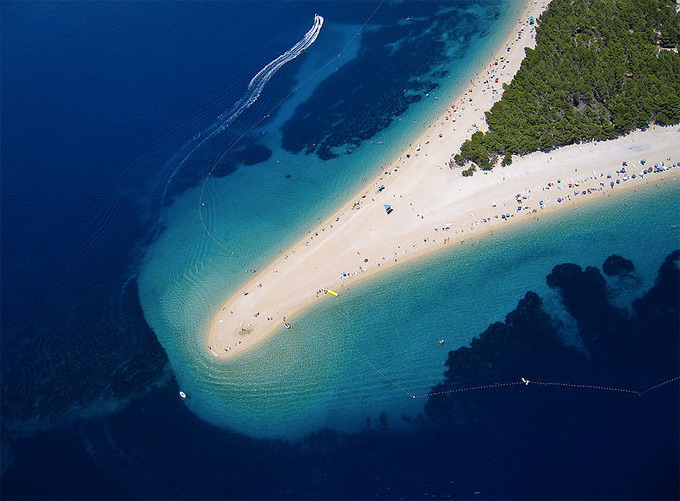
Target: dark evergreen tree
600 69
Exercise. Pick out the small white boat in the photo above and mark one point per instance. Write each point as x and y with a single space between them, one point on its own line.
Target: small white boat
286 325
182 395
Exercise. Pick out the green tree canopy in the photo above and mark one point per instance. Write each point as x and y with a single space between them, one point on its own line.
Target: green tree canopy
600 69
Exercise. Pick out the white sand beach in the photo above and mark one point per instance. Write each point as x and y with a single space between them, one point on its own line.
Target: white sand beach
435 207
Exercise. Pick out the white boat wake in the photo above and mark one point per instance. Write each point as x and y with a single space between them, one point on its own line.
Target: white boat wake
253 91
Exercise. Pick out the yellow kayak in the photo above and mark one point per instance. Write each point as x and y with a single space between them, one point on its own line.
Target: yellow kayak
332 292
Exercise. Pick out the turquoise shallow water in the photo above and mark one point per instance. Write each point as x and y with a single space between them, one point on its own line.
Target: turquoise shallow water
105 421
314 376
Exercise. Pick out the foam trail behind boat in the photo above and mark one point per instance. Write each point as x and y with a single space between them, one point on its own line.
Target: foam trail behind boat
255 87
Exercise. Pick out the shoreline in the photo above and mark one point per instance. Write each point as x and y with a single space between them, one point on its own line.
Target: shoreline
361 238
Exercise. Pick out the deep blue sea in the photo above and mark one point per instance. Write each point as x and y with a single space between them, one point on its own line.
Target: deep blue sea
153 151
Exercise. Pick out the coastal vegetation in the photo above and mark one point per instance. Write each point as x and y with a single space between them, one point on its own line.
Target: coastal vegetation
600 69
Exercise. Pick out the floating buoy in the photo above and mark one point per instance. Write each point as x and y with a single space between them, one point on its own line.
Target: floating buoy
182 395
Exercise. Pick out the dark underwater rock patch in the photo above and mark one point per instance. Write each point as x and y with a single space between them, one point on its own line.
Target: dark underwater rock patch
621 349
616 265
397 66
253 154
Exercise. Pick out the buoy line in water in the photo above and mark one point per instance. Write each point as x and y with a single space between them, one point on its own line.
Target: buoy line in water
528 382
261 78
522 381
381 373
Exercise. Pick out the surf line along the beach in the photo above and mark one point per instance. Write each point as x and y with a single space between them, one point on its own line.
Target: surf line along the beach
288 284
368 241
